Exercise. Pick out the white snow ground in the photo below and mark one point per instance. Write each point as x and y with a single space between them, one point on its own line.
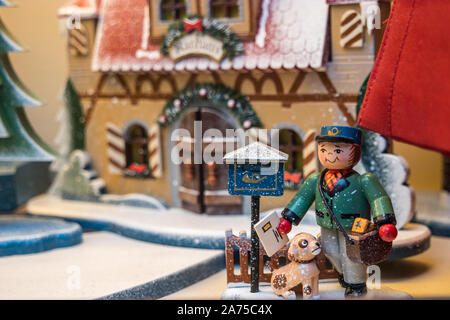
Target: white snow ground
329 290
104 263
215 287
183 224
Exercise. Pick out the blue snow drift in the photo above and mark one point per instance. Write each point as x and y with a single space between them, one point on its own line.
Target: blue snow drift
25 234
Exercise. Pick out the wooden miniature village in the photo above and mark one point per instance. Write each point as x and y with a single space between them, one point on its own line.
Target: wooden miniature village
294 66
148 78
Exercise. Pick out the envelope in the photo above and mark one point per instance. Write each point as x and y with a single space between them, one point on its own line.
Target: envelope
268 234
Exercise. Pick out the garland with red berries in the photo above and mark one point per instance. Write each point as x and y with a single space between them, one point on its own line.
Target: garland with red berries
219 96
232 45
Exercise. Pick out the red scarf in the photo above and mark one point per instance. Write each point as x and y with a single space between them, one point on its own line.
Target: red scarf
332 177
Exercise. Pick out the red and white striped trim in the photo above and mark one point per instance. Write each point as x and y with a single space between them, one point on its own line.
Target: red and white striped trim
351 30
154 149
310 161
115 149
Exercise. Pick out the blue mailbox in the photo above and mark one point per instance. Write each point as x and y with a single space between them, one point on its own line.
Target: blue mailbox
256 170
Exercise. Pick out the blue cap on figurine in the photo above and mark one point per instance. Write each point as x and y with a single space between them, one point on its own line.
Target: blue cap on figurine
340 133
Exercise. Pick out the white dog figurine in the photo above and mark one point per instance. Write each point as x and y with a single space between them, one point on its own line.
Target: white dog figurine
302 273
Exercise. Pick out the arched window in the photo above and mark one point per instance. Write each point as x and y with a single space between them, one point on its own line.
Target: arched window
136 151
224 9
291 143
171 10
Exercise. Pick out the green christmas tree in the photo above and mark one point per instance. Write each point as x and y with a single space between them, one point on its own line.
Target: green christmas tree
18 141
71 133
76 117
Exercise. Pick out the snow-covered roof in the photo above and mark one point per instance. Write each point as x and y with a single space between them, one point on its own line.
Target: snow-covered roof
81 8
256 151
291 35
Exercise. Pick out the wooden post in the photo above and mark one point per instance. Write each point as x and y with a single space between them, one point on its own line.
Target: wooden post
254 253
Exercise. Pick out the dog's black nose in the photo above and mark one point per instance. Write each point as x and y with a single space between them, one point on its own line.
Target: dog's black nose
318 244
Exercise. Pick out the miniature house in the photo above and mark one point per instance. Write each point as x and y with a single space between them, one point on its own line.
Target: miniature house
292 65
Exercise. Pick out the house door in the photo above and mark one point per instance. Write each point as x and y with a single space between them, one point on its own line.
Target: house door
204 186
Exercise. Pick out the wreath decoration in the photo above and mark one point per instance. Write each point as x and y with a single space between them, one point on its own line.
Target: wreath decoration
232 45
219 95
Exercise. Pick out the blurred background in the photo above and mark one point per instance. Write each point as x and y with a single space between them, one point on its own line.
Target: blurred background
43 69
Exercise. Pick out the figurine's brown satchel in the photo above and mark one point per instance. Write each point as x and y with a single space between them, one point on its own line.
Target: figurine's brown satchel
363 243
367 247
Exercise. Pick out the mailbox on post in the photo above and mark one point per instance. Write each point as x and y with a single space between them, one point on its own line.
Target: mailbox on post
255 170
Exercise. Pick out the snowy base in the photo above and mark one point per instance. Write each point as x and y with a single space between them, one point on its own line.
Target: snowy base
106 265
329 290
178 227
174 282
25 235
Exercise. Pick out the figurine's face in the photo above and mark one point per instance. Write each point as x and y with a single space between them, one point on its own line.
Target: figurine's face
336 155
304 247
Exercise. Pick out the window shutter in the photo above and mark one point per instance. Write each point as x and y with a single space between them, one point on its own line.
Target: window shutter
115 149
154 151
351 30
310 161
79 41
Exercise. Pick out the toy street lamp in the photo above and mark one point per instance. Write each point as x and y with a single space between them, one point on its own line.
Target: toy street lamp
255 170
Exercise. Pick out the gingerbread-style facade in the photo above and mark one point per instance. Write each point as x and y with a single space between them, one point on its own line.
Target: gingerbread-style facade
302 65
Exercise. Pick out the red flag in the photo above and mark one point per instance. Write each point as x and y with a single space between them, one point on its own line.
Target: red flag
407 96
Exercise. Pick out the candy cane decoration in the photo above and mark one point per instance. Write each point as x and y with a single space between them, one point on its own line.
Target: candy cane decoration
351 30
310 162
154 149
115 149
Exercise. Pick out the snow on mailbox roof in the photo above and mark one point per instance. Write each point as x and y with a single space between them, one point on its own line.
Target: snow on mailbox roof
81 8
256 151
292 34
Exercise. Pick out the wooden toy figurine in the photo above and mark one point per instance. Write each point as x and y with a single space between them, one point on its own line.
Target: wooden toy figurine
302 272
341 195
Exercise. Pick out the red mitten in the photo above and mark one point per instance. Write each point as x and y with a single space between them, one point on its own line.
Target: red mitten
388 232
284 227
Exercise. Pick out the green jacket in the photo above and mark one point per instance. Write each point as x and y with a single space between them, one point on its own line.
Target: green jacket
356 196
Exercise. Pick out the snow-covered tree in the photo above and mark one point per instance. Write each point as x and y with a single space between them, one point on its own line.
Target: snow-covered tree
18 141
76 178
70 136
78 181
